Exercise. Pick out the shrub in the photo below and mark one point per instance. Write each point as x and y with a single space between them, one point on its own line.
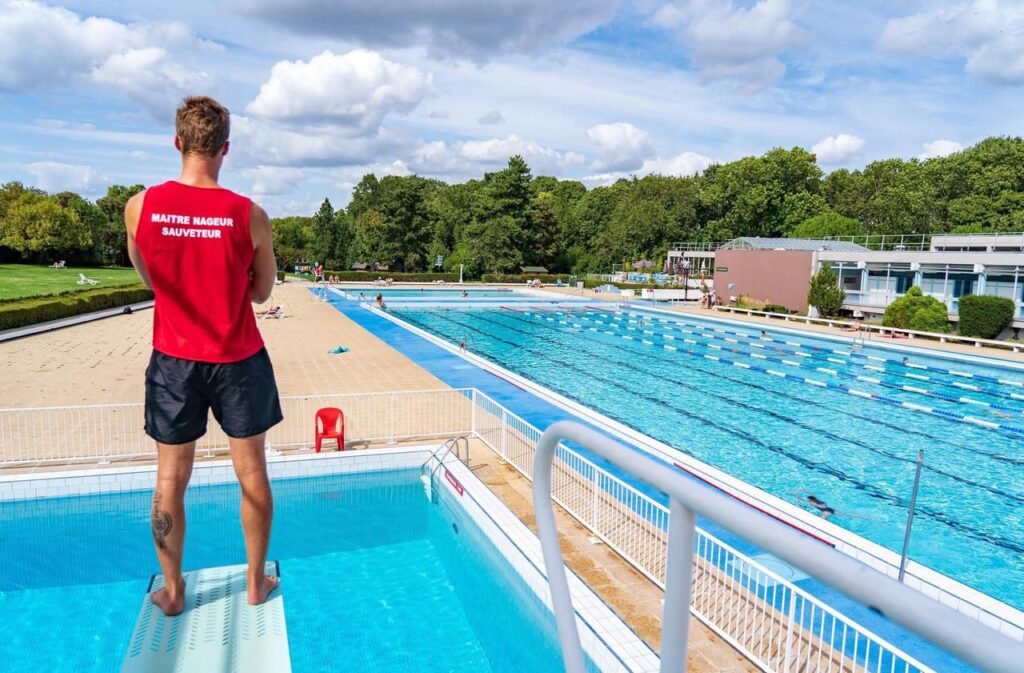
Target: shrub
408 277
918 311
745 301
41 309
825 293
776 308
984 316
280 276
522 278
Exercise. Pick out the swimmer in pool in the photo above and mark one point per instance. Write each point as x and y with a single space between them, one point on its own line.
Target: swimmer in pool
824 509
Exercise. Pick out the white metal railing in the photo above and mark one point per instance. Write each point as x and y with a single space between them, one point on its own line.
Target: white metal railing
102 433
770 620
777 625
954 632
899 332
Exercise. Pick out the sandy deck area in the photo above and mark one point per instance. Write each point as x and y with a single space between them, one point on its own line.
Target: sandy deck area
103 362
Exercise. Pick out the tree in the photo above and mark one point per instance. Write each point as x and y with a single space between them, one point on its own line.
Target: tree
825 225
544 231
916 310
825 294
322 244
291 236
115 238
495 239
39 227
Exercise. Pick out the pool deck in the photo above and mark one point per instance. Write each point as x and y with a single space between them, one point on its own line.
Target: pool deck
102 362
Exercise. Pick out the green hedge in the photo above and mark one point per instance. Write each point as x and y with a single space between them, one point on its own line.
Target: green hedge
984 316
918 311
522 278
776 308
280 276
41 309
400 276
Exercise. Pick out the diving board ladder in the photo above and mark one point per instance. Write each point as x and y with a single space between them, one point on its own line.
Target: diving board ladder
219 632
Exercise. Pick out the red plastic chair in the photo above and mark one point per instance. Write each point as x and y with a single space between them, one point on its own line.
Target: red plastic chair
330 424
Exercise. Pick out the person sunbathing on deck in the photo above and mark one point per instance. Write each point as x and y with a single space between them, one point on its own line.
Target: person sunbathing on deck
269 311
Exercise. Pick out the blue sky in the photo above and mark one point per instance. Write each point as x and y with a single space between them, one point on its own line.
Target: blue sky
322 92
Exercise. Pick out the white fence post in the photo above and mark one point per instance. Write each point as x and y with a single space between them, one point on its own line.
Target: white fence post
790 618
504 434
393 420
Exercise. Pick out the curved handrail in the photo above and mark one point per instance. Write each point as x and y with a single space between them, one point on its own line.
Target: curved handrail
956 633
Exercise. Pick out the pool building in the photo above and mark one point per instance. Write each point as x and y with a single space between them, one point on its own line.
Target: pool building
874 270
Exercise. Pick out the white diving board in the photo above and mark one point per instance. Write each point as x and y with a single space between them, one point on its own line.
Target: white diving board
219 632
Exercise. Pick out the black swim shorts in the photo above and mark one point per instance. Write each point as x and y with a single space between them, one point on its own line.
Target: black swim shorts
180 394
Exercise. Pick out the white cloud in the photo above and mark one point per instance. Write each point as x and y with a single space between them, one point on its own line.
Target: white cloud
837 149
356 89
46 47
492 117
255 142
734 43
685 164
148 77
460 28
987 34
940 148
471 157
622 146
53 176
272 180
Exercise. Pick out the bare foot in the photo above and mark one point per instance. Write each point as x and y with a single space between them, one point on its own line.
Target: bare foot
171 603
258 591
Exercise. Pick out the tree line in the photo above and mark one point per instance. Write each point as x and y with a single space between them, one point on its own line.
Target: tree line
510 217
37 227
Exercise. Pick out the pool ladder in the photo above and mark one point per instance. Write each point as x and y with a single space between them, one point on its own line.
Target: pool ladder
450 446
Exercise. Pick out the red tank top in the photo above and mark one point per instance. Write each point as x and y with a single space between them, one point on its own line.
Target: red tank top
198 251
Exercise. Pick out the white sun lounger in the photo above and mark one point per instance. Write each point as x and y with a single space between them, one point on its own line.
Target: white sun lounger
218 632
82 280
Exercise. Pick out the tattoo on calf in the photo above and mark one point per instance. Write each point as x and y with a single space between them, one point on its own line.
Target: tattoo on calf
161 522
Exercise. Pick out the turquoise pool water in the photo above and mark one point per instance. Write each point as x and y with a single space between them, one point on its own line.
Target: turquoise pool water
427 293
794 414
376 579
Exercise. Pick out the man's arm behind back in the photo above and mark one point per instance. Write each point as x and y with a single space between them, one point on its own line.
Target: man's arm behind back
264 265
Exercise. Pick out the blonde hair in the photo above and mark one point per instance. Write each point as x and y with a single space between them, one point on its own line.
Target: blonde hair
202 125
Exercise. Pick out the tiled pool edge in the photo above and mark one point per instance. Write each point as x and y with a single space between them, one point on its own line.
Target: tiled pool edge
521 548
599 625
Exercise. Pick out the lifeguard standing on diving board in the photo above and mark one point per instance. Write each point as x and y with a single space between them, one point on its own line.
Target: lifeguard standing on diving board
206 252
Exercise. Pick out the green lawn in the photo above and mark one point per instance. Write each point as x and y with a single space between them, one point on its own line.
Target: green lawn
26 280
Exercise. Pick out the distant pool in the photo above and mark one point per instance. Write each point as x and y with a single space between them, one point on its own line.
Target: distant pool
426 293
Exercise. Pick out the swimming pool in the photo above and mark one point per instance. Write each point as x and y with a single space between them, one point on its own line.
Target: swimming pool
793 414
425 293
377 576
